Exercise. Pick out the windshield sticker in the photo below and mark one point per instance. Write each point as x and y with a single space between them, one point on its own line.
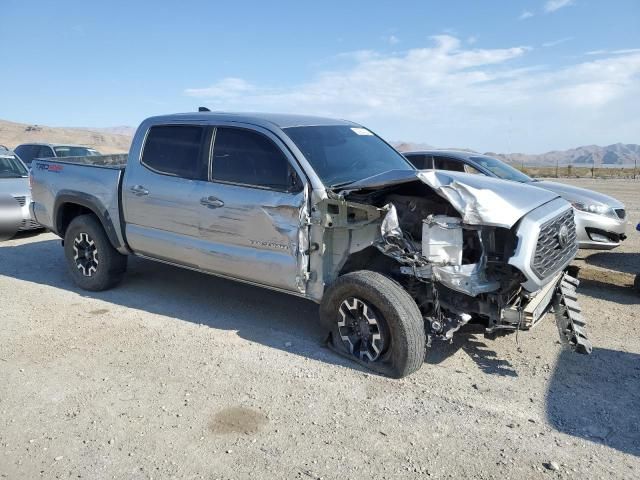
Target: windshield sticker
361 131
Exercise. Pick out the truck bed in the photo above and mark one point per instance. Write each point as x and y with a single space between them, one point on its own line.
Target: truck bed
92 182
118 160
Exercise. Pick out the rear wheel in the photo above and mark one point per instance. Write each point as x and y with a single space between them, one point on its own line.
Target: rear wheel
91 259
374 321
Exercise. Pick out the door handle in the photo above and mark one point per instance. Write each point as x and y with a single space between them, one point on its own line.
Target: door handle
211 202
139 190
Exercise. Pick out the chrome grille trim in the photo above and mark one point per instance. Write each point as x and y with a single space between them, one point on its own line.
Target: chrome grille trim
550 254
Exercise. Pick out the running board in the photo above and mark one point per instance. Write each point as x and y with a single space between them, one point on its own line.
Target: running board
571 324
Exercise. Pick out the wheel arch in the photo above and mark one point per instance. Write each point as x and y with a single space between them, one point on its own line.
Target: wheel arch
71 204
369 258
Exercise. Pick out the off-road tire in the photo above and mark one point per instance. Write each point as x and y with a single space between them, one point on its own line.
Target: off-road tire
406 342
110 266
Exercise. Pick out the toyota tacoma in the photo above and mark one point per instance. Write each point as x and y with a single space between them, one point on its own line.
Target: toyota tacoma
326 210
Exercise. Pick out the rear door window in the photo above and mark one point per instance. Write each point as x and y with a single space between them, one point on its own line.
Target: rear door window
44 152
178 150
249 158
421 162
448 163
27 153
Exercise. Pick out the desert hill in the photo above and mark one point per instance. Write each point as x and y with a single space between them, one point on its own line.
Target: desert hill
13 134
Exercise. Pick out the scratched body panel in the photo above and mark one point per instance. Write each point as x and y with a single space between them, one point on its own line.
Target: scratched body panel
254 236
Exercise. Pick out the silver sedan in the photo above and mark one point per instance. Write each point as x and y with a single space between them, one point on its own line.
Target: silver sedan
15 195
600 219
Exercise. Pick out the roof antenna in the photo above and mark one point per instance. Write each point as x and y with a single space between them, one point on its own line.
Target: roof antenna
203 109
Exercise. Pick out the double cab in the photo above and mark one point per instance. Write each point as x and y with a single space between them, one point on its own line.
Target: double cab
326 210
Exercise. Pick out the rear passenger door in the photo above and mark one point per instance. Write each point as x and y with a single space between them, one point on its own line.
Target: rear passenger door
161 195
253 208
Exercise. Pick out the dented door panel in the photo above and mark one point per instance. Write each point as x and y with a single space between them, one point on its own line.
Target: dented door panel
254 235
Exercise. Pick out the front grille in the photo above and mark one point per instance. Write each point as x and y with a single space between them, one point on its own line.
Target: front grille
551 254
621 213
21 200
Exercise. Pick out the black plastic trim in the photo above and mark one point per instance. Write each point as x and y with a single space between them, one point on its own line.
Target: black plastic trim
66 197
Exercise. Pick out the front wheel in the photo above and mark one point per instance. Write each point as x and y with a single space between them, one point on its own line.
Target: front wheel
94 264
374 321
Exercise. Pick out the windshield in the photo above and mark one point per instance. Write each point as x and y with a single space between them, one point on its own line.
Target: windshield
75 152
11 167
341 154
501 169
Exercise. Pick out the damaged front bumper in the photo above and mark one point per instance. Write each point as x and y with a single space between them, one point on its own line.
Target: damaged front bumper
559 295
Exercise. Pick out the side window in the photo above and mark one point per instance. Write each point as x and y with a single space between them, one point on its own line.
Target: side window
416 160
446 163
44 152
249 158
178 150
421 162
25 153
471 169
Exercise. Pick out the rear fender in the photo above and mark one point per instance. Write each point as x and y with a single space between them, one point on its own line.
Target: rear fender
68 198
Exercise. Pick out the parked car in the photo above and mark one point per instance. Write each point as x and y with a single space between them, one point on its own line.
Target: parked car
28 151
326 210
600 219
15 194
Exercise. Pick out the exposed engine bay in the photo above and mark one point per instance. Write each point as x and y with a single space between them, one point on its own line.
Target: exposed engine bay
456 263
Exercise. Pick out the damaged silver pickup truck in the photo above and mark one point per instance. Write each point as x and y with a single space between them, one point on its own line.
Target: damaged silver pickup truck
326 210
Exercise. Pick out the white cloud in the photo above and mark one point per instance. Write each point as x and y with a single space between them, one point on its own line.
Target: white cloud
449 94
227 88
557 42
614 52
393 40
526 14
554 5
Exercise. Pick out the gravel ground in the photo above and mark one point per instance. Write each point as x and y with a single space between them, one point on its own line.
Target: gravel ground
175 374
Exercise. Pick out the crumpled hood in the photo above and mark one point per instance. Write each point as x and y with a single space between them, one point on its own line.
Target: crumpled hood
573 194
482 200
15 187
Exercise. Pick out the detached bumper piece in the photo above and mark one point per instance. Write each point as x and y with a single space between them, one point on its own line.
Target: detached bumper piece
571 324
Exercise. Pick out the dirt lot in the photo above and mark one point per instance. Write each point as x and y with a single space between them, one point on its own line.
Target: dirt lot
175 374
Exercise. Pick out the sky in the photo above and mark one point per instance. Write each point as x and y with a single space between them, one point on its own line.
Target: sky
504 76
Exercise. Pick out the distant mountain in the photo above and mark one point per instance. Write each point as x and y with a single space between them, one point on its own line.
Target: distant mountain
618 154
410 147
13 134
119 130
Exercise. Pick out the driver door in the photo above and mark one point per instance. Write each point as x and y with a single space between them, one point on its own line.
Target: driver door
253 210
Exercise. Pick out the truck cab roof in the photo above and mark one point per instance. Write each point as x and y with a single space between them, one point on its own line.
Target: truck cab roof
280 120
